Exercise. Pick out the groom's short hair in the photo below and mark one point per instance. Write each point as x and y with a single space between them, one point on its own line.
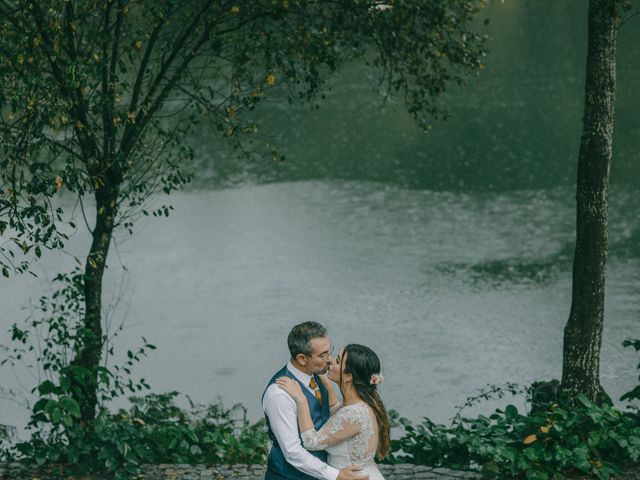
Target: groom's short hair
300 336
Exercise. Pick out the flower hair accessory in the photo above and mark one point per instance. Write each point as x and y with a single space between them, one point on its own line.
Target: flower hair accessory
376 379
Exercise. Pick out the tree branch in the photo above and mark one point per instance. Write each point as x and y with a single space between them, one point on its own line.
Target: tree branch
107 108
143 67
78 108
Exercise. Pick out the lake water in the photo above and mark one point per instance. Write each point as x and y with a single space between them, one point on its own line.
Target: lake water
449 253
453 291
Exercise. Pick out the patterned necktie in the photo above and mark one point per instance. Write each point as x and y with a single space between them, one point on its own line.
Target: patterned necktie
314 386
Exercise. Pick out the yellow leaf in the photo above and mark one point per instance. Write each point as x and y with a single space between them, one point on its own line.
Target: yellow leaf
58 183
139 421
139 44
530 439
270 79
545 428
235 10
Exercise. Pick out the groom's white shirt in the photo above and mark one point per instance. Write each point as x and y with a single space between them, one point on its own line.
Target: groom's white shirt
283 419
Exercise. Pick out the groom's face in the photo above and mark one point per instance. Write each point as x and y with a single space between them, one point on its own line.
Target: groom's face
320 357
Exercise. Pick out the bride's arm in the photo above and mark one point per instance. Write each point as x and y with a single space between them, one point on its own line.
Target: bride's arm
334 401
343 425
294 389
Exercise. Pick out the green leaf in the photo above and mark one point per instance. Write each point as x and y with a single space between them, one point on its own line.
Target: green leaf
110 464
50 406
584 400
39 405
71 406
56 415
40 456
46 387
67 421
65 383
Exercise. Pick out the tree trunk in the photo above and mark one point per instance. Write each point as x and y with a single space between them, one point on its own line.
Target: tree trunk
583 332
89 349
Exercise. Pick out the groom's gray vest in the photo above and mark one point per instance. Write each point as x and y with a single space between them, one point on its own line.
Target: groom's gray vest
277 467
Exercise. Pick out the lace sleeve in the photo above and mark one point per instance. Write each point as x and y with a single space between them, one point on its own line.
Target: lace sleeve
335 407
346 423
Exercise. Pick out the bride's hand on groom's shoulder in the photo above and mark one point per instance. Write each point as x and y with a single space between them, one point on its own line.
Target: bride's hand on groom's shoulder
292 387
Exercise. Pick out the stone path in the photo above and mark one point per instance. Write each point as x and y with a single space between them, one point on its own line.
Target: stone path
245 472
256 472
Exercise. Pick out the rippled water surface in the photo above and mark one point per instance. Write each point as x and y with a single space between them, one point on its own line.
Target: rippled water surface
453 290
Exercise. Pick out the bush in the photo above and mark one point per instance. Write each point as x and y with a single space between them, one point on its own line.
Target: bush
559 441
564 437
154 430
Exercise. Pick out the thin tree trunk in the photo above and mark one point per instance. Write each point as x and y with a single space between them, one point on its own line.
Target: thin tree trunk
89 350
583 332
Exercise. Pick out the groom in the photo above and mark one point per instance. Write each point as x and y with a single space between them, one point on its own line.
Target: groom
310 350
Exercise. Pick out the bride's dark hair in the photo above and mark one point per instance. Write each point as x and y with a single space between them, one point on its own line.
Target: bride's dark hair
362 363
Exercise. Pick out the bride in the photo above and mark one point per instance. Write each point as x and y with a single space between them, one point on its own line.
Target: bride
358 429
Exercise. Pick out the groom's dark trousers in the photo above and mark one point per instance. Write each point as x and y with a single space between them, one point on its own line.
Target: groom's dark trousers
277 466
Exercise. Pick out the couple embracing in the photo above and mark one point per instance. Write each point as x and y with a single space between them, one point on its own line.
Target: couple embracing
314 433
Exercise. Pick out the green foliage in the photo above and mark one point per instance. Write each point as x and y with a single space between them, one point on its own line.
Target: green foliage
102 94
47 341
551 443
597 440
153 430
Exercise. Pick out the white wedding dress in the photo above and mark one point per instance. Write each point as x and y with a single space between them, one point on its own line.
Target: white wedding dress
350 437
